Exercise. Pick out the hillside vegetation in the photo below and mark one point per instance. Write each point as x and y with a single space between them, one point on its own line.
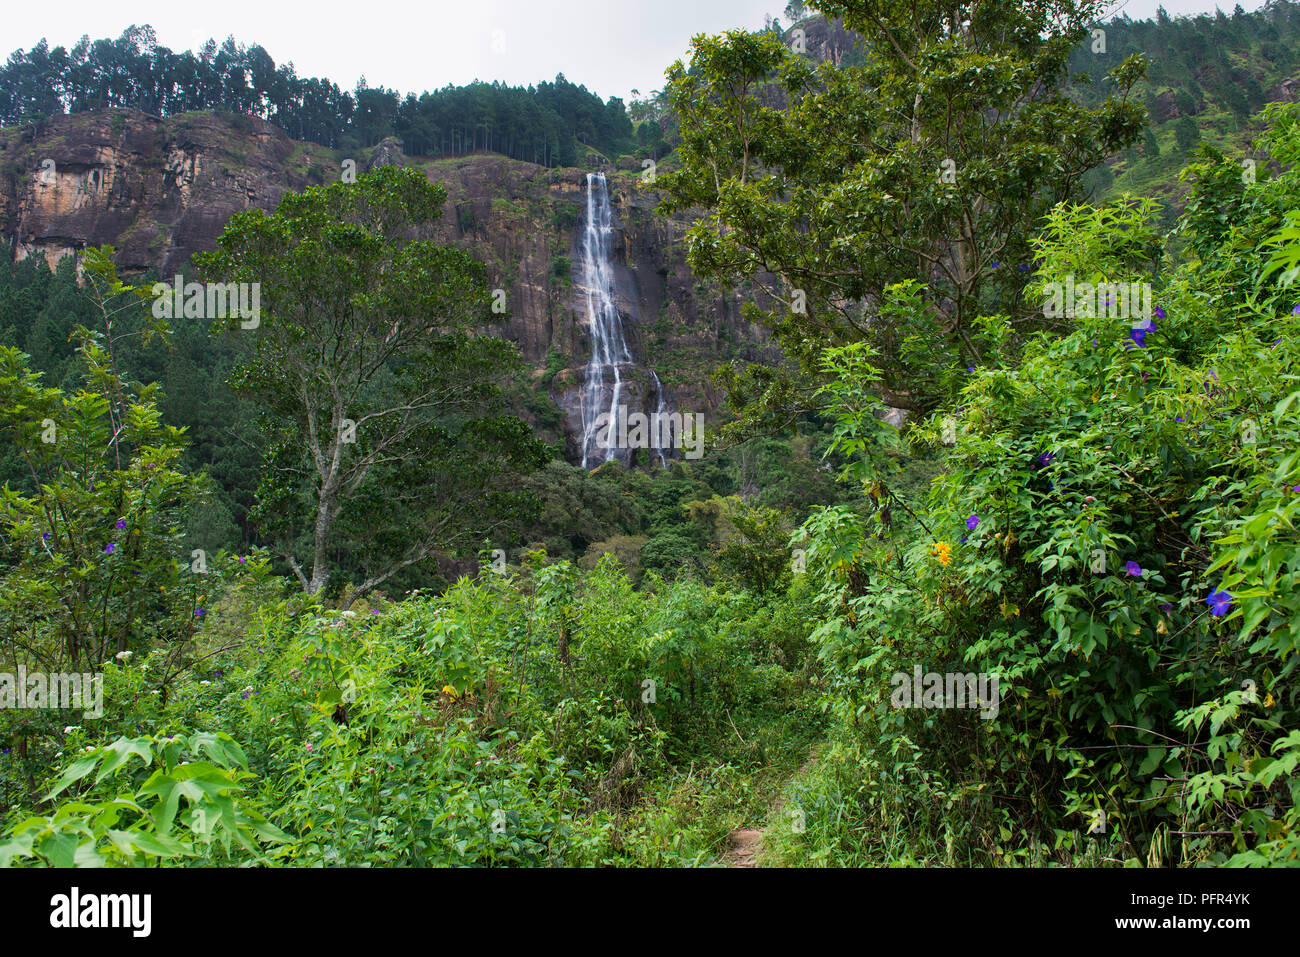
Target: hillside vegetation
1051 620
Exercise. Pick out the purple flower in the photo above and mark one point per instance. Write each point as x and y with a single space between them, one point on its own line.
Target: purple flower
245 695
199 613
1159 313
1045 458
1219 602
1179 418
972 522
970 368
110 548
1167 607
996 265
242 560
121 523
1138 335
1295 488
1023 268
46 537
1133 568
1295 310
5 751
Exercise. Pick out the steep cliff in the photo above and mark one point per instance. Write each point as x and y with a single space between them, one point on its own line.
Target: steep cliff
158 190
161 190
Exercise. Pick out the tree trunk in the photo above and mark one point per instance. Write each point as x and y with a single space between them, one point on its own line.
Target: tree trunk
320 574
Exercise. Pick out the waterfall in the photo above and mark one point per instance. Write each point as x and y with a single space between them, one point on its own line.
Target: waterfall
603 382
661 409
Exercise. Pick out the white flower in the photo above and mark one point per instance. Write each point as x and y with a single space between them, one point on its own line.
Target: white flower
123 655
349 614
71 728
204 683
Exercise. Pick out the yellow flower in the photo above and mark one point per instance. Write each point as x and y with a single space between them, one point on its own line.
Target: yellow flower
449 690
1268 700
942 551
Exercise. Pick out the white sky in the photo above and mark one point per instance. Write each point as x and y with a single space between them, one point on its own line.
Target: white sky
610 47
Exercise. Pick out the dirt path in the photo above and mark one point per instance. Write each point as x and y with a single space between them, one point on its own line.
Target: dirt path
745 843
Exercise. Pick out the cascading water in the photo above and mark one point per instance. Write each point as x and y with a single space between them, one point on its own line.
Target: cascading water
603 383
661 409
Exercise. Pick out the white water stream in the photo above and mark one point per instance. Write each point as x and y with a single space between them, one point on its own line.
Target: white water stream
603 383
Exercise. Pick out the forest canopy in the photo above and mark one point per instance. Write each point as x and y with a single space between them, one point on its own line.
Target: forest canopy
538 123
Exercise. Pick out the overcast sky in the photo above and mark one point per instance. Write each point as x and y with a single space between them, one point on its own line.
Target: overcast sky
612 47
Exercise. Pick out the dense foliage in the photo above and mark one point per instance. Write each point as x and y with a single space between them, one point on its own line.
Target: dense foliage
1225 60
377 393
931 161
1098 522
1206 77
1113 536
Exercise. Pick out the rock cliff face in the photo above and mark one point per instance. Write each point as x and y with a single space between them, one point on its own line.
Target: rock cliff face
158 190
161 190
824 40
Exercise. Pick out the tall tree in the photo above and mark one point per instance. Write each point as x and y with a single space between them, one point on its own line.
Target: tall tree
381 401
932 161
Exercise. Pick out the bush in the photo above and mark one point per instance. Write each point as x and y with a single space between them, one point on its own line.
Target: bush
1116 503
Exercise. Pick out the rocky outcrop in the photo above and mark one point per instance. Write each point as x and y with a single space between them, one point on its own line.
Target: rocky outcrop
387 153
824 40
161 190
158 190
